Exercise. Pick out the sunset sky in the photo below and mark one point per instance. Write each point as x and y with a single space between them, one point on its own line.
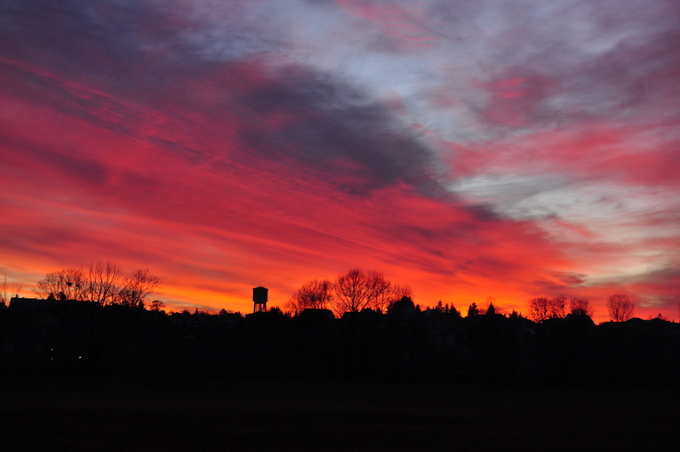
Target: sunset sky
511 149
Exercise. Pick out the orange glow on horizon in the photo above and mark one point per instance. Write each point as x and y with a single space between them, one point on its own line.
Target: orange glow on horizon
390 138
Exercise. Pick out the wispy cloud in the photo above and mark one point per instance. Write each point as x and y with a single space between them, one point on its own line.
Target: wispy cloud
507 149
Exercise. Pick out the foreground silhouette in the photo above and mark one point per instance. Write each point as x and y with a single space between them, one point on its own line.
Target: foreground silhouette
67 337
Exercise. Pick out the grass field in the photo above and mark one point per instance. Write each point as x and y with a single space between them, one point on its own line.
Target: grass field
183 415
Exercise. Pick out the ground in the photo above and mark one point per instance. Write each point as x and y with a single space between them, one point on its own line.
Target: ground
48 414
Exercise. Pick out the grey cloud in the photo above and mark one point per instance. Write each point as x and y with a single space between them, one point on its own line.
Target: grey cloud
58 160
150 42
338 129
572 278
603 59
148 53
659 288
581 60
521 197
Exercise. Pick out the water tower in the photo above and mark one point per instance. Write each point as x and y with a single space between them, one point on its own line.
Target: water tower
260 299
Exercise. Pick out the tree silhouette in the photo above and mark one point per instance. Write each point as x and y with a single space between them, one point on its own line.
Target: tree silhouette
393 293
359 289
158 305
104 280
314 294
70 282
6 290
538 309
451 309
103 283
489 305
557 305
404 344
580 306
3 290
543 308
137 287
620 307
351 290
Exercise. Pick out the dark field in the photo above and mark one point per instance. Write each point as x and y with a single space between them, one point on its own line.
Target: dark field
182 415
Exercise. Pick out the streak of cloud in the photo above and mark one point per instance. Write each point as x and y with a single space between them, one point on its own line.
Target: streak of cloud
508 149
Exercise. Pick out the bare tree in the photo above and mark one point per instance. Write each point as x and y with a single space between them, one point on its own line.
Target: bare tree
359 289
69 283
3 290
542 308
4 297
314 294
581 306
556 307
350 292
158 305
379 291
620 307
104 282
393 293
136 288
538 309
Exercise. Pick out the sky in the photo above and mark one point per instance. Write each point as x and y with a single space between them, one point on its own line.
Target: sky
468 149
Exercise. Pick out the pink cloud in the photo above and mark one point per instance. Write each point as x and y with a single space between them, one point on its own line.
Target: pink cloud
514 99
229 170
406 26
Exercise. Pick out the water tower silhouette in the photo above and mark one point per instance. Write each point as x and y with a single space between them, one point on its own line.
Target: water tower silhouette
260 299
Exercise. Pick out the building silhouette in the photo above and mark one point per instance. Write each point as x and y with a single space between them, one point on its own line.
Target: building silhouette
260 295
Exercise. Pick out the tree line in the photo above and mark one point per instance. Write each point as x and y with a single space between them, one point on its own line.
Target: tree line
360 289
104 283
405 343
354 291
620 307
